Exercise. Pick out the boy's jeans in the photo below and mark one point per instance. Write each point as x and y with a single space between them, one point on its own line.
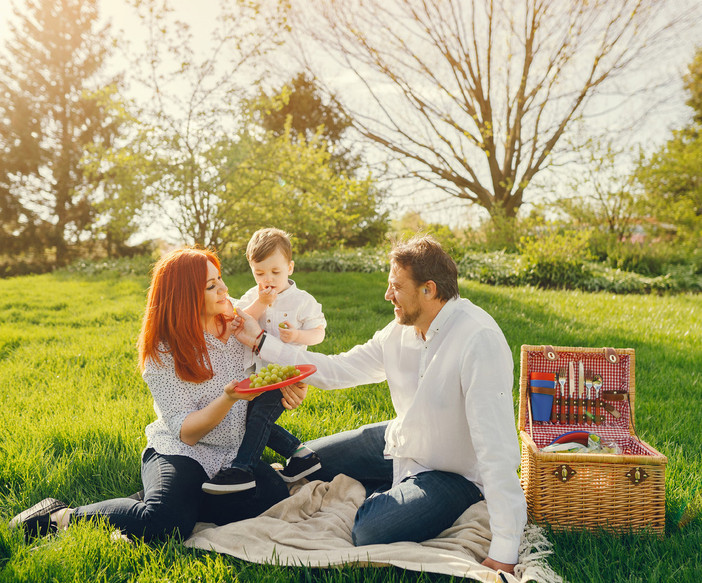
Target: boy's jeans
417 509
261 430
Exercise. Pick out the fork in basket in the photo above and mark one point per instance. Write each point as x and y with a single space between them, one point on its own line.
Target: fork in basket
565 404
589 407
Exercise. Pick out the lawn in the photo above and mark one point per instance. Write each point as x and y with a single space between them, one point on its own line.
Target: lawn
73 409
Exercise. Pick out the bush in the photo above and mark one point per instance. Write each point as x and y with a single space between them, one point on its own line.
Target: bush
498 268
366 260
548 262
555 259
136 265
14 268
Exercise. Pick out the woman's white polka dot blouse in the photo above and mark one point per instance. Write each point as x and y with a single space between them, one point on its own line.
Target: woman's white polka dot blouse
175 399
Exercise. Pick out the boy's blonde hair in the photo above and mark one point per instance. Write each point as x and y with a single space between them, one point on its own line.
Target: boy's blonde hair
265 242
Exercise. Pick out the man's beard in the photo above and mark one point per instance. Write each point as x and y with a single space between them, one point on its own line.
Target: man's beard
409 318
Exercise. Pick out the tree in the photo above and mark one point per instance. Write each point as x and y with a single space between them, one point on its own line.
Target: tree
475 98
301 106
412 222
301 100
672 176
672 180
693 84
194 106
605 194
216 170
123 174
292 184
50 78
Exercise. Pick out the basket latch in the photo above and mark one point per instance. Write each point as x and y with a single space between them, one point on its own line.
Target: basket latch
549 352
636 475
564 472
611 355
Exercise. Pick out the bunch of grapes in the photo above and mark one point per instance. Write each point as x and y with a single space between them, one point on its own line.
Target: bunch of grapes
271 374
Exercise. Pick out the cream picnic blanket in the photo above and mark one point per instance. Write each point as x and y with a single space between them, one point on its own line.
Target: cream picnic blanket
313 528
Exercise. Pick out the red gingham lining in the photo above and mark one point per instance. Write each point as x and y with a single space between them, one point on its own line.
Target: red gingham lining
615 376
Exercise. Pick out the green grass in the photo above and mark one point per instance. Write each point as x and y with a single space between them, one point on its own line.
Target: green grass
73 410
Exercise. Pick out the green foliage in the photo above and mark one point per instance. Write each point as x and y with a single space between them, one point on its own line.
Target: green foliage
292 184
555 259
193 111
412 223
693 84
361 260
365 260
497 268
672 179
603 196
299 108
672 176
501 232
123 169
51 74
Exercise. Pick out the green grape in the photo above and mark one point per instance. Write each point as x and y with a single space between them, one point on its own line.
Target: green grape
272 374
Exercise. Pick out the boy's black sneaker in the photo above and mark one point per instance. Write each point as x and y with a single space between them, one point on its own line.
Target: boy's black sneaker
299 467
229 481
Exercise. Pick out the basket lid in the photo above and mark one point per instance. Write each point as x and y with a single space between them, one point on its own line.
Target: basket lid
614 365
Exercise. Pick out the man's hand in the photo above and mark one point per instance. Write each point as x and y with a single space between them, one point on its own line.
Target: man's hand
497 566
229 311
293 395
245 328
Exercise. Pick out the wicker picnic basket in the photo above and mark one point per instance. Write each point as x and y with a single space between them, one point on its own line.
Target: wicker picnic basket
614 491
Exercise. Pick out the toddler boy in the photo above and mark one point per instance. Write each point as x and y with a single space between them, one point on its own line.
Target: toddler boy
293 315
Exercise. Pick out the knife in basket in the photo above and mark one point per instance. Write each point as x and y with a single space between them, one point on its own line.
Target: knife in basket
571 382
581 392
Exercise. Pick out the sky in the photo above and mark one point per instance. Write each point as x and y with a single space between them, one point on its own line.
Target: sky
202 14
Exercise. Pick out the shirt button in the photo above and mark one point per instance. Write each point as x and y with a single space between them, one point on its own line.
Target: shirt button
269 320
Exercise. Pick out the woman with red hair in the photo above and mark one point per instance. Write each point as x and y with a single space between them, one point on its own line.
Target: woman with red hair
191 363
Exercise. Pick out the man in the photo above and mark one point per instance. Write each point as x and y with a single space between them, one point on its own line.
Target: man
449 371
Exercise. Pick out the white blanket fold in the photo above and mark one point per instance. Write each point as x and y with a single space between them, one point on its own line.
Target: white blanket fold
313 528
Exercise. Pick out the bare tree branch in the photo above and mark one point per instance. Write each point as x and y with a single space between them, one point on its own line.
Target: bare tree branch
476 97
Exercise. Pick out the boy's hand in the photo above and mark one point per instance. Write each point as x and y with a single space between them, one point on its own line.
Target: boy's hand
287 332
267 295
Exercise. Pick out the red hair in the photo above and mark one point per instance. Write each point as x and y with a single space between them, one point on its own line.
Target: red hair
174 307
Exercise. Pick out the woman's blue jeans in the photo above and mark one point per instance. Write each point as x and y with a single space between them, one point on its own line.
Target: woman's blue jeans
417 509
174 500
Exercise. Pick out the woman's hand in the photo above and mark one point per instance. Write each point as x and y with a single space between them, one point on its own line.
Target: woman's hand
245 328
232 393
199 423
293 395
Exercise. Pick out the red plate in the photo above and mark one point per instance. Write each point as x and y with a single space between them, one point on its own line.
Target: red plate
305 371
